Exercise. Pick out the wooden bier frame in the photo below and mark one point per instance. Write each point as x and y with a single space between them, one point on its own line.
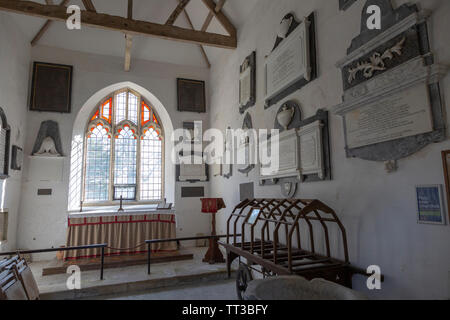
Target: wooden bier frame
266 217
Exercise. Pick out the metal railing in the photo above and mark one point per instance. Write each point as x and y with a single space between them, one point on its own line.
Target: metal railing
91 246
104 245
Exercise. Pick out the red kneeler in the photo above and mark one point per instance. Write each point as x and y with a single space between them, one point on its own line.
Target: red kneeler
212 205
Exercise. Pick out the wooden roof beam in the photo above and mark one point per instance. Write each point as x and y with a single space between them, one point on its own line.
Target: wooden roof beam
46 25
224 21
202 50
178 10
128 44
89 5
130 9
210 16
121 24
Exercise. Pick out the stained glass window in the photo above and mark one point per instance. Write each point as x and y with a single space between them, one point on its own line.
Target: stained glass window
125 164
124 157
97 164
151 166
132 108
121 107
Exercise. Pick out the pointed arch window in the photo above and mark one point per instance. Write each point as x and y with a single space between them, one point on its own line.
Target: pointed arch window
124 151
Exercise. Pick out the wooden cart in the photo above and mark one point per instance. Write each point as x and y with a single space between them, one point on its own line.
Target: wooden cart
287 237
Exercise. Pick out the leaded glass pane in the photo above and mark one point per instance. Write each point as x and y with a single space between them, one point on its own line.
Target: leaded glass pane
121 107
151 166
132 108
97 165
125 160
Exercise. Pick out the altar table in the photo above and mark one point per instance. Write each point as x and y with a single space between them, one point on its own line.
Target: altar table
120 231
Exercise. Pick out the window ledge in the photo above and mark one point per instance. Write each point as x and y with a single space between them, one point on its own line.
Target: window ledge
113 211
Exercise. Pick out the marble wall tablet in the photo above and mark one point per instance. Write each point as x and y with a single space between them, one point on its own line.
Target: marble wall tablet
311 149
289 62
292 64
193 172
392 105
399 115
289 157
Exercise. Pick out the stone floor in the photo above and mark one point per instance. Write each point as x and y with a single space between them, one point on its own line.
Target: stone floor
127 281
214 290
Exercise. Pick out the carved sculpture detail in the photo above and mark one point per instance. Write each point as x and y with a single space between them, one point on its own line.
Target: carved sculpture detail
376 62
48 148
285 116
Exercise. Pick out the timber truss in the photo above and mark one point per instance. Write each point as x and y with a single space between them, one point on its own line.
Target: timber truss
129 26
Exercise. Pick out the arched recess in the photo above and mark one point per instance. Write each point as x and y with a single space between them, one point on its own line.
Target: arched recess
79 129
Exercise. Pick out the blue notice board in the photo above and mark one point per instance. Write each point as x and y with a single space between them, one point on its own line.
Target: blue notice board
429 204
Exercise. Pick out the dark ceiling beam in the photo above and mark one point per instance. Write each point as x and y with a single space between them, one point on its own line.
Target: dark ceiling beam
46 25
224 21
121 24
178 10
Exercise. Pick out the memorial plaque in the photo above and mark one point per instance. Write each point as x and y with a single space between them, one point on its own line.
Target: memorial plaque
289 62
401 115
288 157
247 83
311 151
193 172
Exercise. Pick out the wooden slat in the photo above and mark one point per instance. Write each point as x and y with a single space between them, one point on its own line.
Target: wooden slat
178 10
128 44
210 16
46 25
224 21
202 50
121 24
130 9
89 5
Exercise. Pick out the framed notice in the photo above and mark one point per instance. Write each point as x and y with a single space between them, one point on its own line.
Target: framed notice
430 208
191 95
51 88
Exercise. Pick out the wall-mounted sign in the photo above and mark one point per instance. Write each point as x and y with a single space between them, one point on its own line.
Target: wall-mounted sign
430 208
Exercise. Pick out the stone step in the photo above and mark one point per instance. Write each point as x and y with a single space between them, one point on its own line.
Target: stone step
130 288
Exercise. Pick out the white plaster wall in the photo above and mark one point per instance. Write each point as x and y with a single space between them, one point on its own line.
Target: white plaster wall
43 218
377 209
14 63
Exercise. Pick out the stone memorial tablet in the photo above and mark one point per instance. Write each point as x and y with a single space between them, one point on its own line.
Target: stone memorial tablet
193 172
403 114
289 62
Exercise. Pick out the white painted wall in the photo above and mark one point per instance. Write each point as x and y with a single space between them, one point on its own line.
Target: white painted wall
43 218
14 63
377 209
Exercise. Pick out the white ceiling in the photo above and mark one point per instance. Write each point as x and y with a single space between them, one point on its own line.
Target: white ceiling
112 43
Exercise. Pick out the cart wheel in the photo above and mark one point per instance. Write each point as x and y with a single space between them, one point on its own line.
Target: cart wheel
244 276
